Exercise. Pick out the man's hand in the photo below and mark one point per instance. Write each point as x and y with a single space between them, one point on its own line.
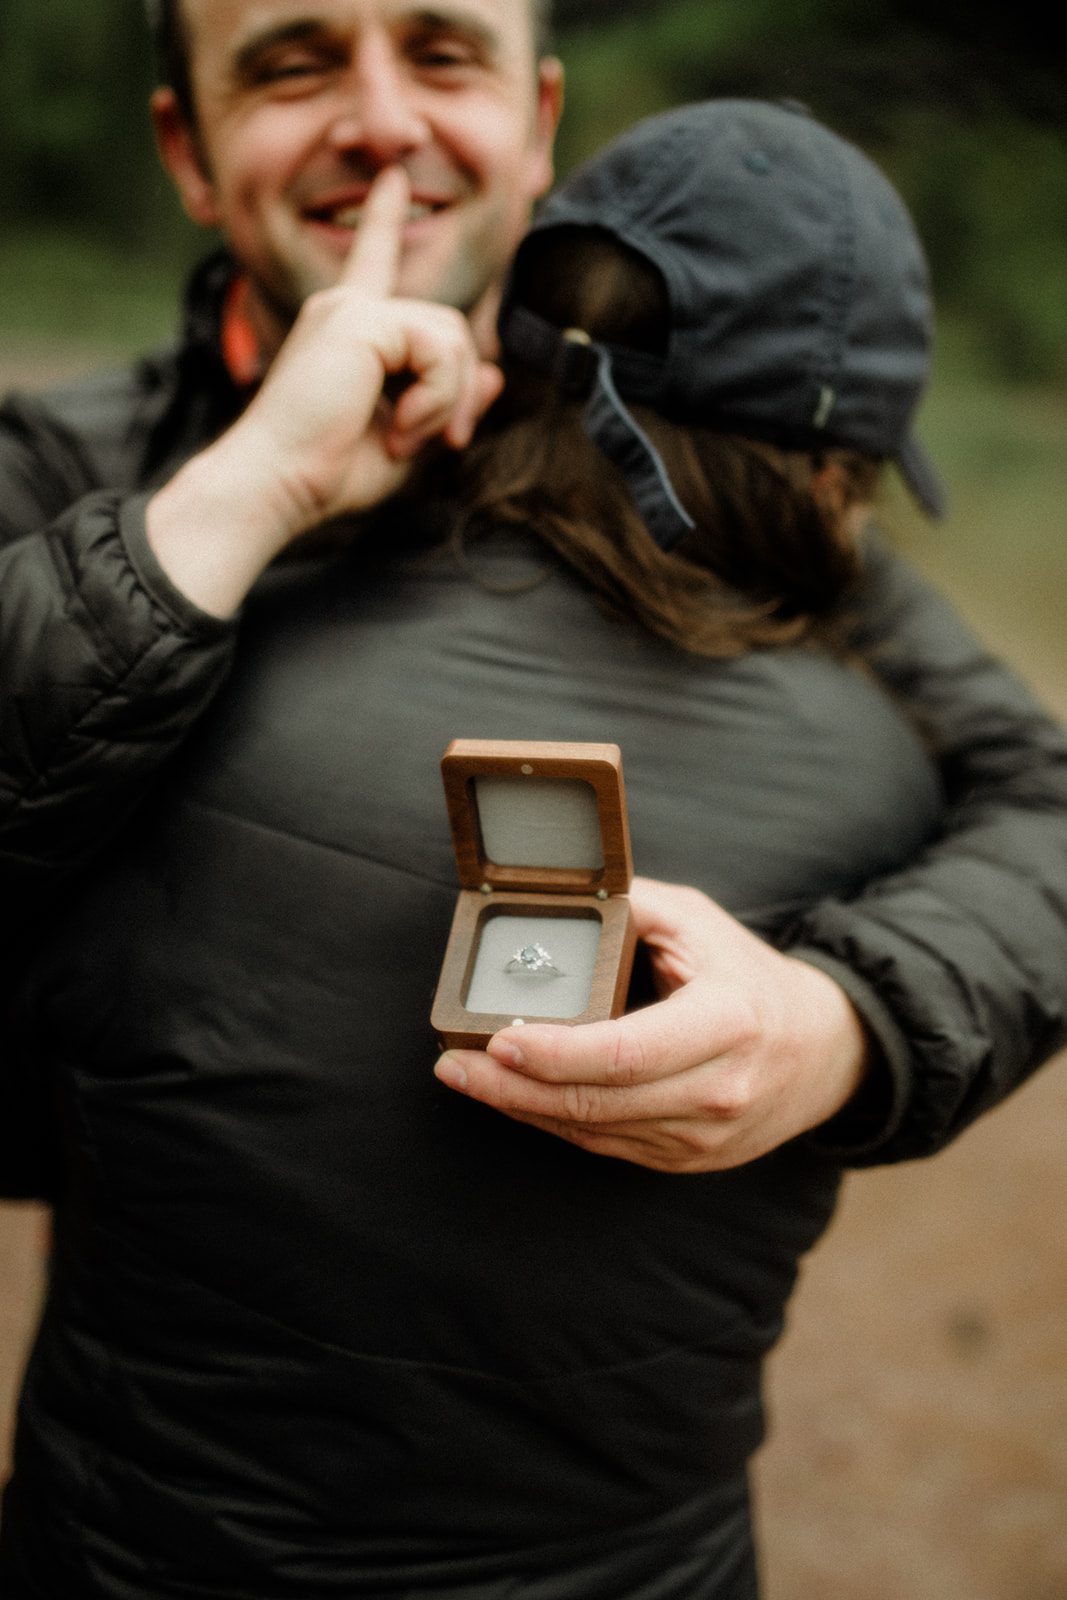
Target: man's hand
334 443
748 1049
320 439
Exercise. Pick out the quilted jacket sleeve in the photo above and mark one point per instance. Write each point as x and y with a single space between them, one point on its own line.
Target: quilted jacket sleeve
958 964
104 665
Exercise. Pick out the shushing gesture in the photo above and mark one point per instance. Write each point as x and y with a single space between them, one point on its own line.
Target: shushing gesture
337 444
322 438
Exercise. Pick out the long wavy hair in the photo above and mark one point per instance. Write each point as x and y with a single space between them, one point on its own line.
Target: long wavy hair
771 558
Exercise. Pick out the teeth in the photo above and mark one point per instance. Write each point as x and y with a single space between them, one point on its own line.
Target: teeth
351 216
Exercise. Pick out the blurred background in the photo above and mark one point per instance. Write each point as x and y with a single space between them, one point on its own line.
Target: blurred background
963 101
919 1401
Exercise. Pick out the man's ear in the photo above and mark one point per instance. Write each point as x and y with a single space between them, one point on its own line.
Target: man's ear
549 111
181 154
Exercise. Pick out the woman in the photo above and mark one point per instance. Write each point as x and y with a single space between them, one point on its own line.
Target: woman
754 289
714 339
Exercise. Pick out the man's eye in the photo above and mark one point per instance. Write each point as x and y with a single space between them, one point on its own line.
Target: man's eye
443 54
290 69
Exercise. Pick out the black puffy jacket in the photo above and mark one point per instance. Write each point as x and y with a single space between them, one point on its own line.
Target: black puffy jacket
315 1326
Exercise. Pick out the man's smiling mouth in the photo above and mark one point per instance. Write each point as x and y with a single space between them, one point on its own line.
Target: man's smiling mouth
350 214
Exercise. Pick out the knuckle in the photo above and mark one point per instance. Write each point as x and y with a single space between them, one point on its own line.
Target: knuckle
582 1103
682 1157
626 1060
442 321
549 1063
744 1025
455 332
454 320
730 1097
688 1148
584 1139
321 303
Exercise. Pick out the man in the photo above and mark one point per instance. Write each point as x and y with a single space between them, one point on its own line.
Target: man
289 125
245 1169
291 120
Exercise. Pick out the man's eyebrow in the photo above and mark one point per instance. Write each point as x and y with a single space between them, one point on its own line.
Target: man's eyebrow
424 19
455 19
297 31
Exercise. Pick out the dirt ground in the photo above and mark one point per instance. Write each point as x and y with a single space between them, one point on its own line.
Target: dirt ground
918 1402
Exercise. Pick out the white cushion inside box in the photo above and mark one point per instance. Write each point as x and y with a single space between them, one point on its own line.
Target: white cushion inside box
571 942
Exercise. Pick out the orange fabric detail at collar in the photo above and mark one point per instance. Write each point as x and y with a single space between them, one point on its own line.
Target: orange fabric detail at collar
240 342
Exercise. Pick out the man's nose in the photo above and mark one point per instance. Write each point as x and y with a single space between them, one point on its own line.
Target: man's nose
380 116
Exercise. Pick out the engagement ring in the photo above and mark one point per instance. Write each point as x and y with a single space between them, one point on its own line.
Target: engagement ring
533 958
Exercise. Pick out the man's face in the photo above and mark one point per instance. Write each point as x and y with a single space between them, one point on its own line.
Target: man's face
300 103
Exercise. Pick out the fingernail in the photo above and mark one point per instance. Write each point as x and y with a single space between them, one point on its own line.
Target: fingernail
503 1050
449 1071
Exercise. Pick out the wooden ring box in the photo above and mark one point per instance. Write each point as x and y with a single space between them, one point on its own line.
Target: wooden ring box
542 846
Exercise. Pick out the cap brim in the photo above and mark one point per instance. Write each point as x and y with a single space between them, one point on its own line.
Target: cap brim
922 479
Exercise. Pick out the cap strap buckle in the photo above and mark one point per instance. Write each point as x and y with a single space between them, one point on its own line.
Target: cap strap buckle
568 357
575 365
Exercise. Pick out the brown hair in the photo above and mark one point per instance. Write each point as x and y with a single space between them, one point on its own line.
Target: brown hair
770 560
171 39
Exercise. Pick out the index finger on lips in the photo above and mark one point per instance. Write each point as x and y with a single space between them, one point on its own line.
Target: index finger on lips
374 258
647 1046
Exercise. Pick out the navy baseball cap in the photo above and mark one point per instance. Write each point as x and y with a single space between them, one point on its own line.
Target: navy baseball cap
798 295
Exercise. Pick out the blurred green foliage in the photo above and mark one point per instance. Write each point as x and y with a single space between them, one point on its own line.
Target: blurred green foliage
961 100
1002 554
73 121
963 105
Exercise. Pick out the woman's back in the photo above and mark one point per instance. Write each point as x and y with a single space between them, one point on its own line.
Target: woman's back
500 1349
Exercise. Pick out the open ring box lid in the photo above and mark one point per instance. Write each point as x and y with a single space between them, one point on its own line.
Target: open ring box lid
542 847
